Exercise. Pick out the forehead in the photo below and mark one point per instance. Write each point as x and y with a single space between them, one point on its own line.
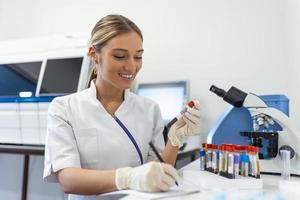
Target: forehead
130 41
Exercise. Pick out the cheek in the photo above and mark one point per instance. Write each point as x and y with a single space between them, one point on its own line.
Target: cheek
139 66
109 66
104 71
111 71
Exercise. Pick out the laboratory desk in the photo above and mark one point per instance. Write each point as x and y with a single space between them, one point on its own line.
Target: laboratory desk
269 191
25 150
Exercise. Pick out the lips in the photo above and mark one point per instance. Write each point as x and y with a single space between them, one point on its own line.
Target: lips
126 76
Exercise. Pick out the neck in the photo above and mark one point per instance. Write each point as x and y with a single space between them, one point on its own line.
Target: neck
107 92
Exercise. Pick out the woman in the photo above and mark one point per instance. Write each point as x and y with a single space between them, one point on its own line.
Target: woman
97 139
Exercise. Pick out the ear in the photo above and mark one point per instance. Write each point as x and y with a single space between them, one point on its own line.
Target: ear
93 55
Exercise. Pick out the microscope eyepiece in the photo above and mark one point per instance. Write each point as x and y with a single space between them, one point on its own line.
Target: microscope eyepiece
234 96
218 91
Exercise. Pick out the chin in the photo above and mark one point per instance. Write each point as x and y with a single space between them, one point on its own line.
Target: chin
126 85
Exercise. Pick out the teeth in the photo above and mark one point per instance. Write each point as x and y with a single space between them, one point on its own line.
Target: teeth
127 76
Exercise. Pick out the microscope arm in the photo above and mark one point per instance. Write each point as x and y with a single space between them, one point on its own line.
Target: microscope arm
253 101
290 138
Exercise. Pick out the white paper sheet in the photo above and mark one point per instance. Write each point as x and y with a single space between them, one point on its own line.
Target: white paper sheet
173 192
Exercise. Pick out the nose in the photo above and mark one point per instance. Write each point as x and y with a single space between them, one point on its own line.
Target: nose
131 66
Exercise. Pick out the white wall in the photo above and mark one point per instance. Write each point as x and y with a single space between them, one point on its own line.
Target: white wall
292 50
218 42
251 44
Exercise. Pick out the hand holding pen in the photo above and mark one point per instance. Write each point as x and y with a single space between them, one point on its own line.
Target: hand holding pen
149 177
158 156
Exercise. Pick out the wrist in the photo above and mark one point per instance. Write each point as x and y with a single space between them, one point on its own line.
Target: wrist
173 148
175 139
121 178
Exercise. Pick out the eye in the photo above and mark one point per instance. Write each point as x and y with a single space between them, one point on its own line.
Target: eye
139 57
119 57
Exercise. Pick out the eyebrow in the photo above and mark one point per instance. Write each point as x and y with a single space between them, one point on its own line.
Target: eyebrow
118 49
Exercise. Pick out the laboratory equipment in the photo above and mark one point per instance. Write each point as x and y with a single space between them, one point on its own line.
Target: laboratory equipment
174 120
244 165
208 157
233 160
19 77
209 181
28 83
215 161
230 161
188 125
60 76
202 159
252 121
236 166
286 164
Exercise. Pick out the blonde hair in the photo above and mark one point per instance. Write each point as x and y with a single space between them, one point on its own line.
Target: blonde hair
107 28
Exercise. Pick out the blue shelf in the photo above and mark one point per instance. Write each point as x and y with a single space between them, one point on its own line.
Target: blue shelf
13 99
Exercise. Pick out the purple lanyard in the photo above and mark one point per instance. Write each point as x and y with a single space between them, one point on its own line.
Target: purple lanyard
130 137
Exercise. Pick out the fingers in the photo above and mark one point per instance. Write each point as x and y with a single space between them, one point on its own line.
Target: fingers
162 186
168 180
166 177
174 136
189 122
192 127
170 171
180 123
193 111
191 118
196 104
193 114
150 177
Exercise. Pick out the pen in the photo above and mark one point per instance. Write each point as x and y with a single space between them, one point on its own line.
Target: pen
158 156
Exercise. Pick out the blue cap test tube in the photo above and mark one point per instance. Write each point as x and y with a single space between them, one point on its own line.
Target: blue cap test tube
244 165
202 159
236 165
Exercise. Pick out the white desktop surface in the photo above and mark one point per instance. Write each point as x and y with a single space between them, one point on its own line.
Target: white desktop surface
270 190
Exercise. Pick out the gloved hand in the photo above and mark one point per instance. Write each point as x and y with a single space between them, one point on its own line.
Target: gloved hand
150 177
188 124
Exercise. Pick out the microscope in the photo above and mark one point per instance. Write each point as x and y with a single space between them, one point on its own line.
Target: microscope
248 122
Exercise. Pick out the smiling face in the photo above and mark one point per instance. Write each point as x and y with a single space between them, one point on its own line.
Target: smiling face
120 60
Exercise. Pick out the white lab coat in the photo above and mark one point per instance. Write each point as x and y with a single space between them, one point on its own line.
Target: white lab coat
81 133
